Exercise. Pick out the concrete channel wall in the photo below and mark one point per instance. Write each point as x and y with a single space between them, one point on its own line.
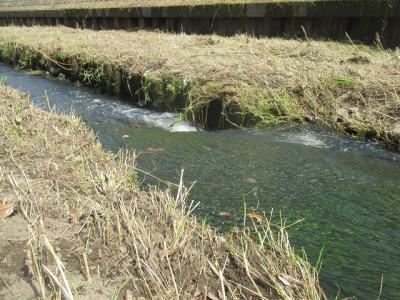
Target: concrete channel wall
358 20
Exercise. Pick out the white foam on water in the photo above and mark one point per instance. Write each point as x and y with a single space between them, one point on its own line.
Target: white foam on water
307 139
164 120
183 127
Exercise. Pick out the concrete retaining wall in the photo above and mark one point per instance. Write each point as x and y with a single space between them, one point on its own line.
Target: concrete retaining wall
360 20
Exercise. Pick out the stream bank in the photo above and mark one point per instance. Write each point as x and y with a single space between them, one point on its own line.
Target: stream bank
345 191
226 82
83 206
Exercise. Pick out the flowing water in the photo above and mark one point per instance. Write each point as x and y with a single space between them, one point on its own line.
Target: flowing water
346 192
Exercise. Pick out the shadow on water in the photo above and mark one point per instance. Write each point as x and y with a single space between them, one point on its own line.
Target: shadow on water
347 191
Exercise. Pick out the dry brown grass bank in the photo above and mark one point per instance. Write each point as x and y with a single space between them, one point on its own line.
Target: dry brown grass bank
63 4
348 87
85 230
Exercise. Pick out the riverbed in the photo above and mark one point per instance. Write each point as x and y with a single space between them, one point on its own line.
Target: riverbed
346 192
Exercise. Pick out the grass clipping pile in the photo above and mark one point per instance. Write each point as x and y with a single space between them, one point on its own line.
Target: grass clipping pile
84 229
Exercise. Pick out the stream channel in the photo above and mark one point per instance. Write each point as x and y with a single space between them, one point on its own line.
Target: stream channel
345 191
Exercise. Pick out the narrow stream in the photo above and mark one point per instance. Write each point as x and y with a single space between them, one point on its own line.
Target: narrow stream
346 192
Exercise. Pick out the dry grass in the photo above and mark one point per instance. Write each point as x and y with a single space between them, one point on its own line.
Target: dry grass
94 234
62 4
348 87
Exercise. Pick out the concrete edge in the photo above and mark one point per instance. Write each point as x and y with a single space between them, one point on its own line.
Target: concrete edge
344 9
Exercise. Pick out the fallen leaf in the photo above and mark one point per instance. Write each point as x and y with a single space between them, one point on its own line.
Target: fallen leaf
18 121
73 215
284 281
250 180
212 296
6 210
197 293
128 295
225 214
155 150
28 264
255 216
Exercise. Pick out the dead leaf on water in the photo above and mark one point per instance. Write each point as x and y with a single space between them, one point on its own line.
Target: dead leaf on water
155 150
255 216
250 180
225 214
6 210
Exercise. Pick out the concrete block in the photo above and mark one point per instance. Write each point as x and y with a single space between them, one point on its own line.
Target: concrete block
155 23
297 26
269 26
256 10
201 25
129 24
95 24
395 39
239 25
83 22
391 35
222 26
300 10
141 23
146 12
251 27
359 29
340 28
170 24
332 28
116 23
125 23
103 24
187 25
183 25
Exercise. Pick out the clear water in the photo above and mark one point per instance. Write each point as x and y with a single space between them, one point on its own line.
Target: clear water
347 192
